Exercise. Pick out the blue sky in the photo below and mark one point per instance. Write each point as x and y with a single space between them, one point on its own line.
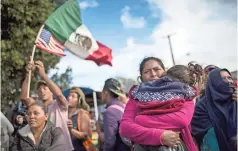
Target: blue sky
105 24
135 29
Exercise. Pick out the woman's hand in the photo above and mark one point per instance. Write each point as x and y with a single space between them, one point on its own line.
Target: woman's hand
70 124
170 138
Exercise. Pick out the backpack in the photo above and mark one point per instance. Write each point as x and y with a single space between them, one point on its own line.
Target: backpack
126 141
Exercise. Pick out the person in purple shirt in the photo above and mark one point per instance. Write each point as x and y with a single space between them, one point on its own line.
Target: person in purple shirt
112 116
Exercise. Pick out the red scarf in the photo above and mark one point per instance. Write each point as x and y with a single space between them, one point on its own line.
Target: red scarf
159 107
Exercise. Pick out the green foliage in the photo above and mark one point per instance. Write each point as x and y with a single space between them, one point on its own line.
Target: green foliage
63 80
21 21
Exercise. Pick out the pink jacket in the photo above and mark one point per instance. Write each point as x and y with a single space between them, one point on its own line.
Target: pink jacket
147 130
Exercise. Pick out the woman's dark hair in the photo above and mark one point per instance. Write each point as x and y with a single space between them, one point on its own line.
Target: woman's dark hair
226 71
40 104
142 64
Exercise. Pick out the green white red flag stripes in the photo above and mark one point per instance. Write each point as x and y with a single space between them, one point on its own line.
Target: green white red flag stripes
66 27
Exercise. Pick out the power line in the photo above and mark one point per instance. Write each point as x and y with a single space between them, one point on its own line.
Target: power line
171 49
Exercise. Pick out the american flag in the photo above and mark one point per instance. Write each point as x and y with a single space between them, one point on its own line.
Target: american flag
49 44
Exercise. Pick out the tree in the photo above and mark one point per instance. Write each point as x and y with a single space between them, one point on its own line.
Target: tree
126 83
21 21
63 80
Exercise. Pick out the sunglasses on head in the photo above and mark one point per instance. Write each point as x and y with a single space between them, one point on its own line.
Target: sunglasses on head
196 68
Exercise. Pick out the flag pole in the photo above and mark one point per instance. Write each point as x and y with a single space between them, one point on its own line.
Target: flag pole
32 56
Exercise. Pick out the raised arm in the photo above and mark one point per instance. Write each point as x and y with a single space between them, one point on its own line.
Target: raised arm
24 88
52 86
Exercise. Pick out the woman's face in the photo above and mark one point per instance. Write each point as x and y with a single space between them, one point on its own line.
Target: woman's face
73 99
227 77
36 117
152 70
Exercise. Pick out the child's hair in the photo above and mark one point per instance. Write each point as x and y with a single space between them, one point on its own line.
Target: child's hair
181 73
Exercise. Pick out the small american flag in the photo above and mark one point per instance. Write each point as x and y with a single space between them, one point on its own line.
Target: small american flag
49 44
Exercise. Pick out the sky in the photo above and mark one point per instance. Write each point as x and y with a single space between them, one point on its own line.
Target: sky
202 31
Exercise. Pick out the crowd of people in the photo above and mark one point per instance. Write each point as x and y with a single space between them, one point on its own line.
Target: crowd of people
186 108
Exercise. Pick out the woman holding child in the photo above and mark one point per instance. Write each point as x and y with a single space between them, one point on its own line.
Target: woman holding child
160 109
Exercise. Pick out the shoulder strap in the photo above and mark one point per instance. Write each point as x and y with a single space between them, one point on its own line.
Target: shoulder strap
79 118
117 107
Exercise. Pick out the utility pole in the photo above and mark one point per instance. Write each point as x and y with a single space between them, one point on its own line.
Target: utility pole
171 49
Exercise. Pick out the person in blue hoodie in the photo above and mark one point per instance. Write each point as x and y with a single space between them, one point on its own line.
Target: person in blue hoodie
214 124
112 116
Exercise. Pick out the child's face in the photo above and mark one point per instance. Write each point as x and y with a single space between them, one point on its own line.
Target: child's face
20 119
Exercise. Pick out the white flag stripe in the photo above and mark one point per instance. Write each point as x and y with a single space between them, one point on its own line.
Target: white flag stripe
57 43
55 48
42 44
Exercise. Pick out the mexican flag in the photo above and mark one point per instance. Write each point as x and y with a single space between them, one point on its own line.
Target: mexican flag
65 24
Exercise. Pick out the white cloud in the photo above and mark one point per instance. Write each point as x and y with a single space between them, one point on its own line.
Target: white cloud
130 21
88 3
201 29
